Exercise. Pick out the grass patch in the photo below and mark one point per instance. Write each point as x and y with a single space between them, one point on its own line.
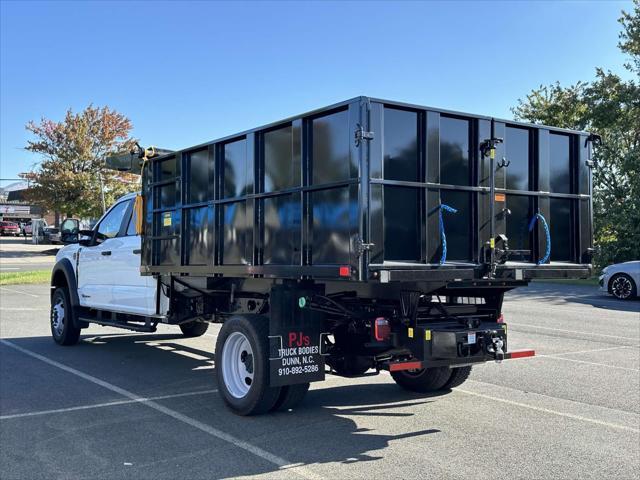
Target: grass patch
590 282
16 278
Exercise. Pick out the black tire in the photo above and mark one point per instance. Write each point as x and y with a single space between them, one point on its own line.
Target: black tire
622 286
423 381
290 397
62 319
260 397
458 377
194 329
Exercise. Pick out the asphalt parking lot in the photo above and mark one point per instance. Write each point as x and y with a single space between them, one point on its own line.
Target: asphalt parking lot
125 405
18 254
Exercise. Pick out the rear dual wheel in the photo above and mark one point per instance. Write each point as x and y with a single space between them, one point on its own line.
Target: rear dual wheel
428 380
242 368
290 396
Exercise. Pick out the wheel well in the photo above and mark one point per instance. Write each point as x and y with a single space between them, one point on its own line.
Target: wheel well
59 280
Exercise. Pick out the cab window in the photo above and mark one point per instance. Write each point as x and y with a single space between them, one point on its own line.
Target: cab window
131 229
109 227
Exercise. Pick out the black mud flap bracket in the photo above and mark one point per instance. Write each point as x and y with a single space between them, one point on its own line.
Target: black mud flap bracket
296 338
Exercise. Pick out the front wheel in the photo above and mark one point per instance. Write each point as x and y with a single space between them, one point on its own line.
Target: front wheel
622 286
242 365
63 328
424 380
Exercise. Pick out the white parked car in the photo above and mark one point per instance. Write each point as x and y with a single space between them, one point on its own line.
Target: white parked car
621 279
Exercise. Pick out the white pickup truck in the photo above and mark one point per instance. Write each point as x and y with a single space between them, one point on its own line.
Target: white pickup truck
101 273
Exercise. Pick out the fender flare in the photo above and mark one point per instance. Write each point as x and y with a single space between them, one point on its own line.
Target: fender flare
65 267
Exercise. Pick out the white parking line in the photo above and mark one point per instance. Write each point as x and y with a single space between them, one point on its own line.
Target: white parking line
23 309
552 398
559 356
597 350
572 331
107 404
546 410
570 302
588 363
280 462
19 291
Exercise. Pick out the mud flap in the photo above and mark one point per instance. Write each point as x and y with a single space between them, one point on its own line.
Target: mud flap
295 338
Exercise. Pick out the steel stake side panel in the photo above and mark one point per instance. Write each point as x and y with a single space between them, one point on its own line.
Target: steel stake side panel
355 191
282 201
422 159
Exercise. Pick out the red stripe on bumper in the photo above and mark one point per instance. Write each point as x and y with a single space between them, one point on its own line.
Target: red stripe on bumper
396 367
521 354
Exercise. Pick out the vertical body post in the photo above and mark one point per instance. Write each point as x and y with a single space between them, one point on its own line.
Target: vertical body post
488 149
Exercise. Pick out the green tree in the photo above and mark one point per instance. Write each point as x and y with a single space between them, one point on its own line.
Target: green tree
608 106
71 176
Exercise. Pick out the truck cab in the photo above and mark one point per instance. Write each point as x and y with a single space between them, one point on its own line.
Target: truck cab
98 278
106 264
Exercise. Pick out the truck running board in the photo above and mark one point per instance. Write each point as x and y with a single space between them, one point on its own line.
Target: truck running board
398 366
125 325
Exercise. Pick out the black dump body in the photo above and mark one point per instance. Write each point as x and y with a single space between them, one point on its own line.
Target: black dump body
354 191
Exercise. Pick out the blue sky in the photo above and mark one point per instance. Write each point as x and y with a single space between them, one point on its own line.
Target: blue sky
189 72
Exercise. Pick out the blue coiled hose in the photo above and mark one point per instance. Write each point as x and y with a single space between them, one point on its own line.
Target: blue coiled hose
443 237
547 251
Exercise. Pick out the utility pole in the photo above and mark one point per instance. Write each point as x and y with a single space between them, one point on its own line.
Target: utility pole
104 204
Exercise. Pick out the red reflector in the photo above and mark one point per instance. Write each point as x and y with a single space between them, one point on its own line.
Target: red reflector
381 329
522 354
500 318
345 271
396 367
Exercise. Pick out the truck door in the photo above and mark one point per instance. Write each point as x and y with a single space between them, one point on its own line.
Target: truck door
96 275
131 293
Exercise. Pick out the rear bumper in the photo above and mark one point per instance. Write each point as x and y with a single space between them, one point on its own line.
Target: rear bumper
451 345
399 365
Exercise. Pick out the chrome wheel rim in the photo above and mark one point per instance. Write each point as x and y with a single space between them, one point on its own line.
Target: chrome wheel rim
621 287
237 365
57 317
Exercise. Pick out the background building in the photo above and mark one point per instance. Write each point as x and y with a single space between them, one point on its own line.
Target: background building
15 208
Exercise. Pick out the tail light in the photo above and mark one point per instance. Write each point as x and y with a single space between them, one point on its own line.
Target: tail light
381 329
500 318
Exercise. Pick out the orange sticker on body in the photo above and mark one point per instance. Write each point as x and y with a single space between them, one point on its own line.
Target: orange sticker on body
500 197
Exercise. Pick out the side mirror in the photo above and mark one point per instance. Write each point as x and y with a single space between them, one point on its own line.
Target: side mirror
85 237
69 231
70 226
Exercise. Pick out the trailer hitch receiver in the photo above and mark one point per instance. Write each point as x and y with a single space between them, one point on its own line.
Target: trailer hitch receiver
496 349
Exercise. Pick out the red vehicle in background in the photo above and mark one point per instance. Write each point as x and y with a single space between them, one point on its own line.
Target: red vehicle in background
9 228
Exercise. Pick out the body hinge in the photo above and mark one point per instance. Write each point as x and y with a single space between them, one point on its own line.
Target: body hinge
361 134
361 247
